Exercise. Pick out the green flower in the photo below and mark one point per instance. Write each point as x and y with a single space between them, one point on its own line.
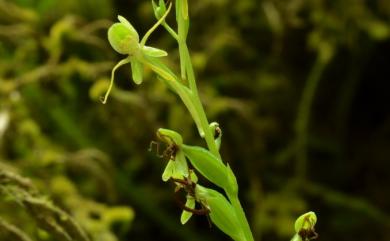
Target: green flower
177 167
304 227
305 221
125 40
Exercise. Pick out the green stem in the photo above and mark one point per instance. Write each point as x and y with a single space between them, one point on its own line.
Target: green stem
173 82
205 126
185 57
210 139
188 71
235 201
170 31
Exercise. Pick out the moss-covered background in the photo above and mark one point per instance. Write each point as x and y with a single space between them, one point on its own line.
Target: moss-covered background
299 87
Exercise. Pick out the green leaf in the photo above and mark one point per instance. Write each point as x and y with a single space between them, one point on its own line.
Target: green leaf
221 211
207 164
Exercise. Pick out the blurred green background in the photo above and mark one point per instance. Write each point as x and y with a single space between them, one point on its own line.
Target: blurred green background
299 87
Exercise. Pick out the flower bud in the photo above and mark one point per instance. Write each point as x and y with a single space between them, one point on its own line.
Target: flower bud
159 10
217 132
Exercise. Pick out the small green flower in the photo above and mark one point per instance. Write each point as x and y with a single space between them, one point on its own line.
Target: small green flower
217 132
305 221
125 40
177 165
160 9
304 227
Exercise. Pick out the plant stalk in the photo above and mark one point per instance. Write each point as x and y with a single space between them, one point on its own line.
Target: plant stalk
210 140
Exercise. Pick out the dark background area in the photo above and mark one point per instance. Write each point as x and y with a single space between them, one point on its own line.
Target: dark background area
299 87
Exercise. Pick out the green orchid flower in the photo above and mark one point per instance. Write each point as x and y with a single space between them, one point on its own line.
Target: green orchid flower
125 40
176 167
304 227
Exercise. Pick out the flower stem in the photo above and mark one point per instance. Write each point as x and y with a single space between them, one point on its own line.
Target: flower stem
207 134
210 140
197 102
234 200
